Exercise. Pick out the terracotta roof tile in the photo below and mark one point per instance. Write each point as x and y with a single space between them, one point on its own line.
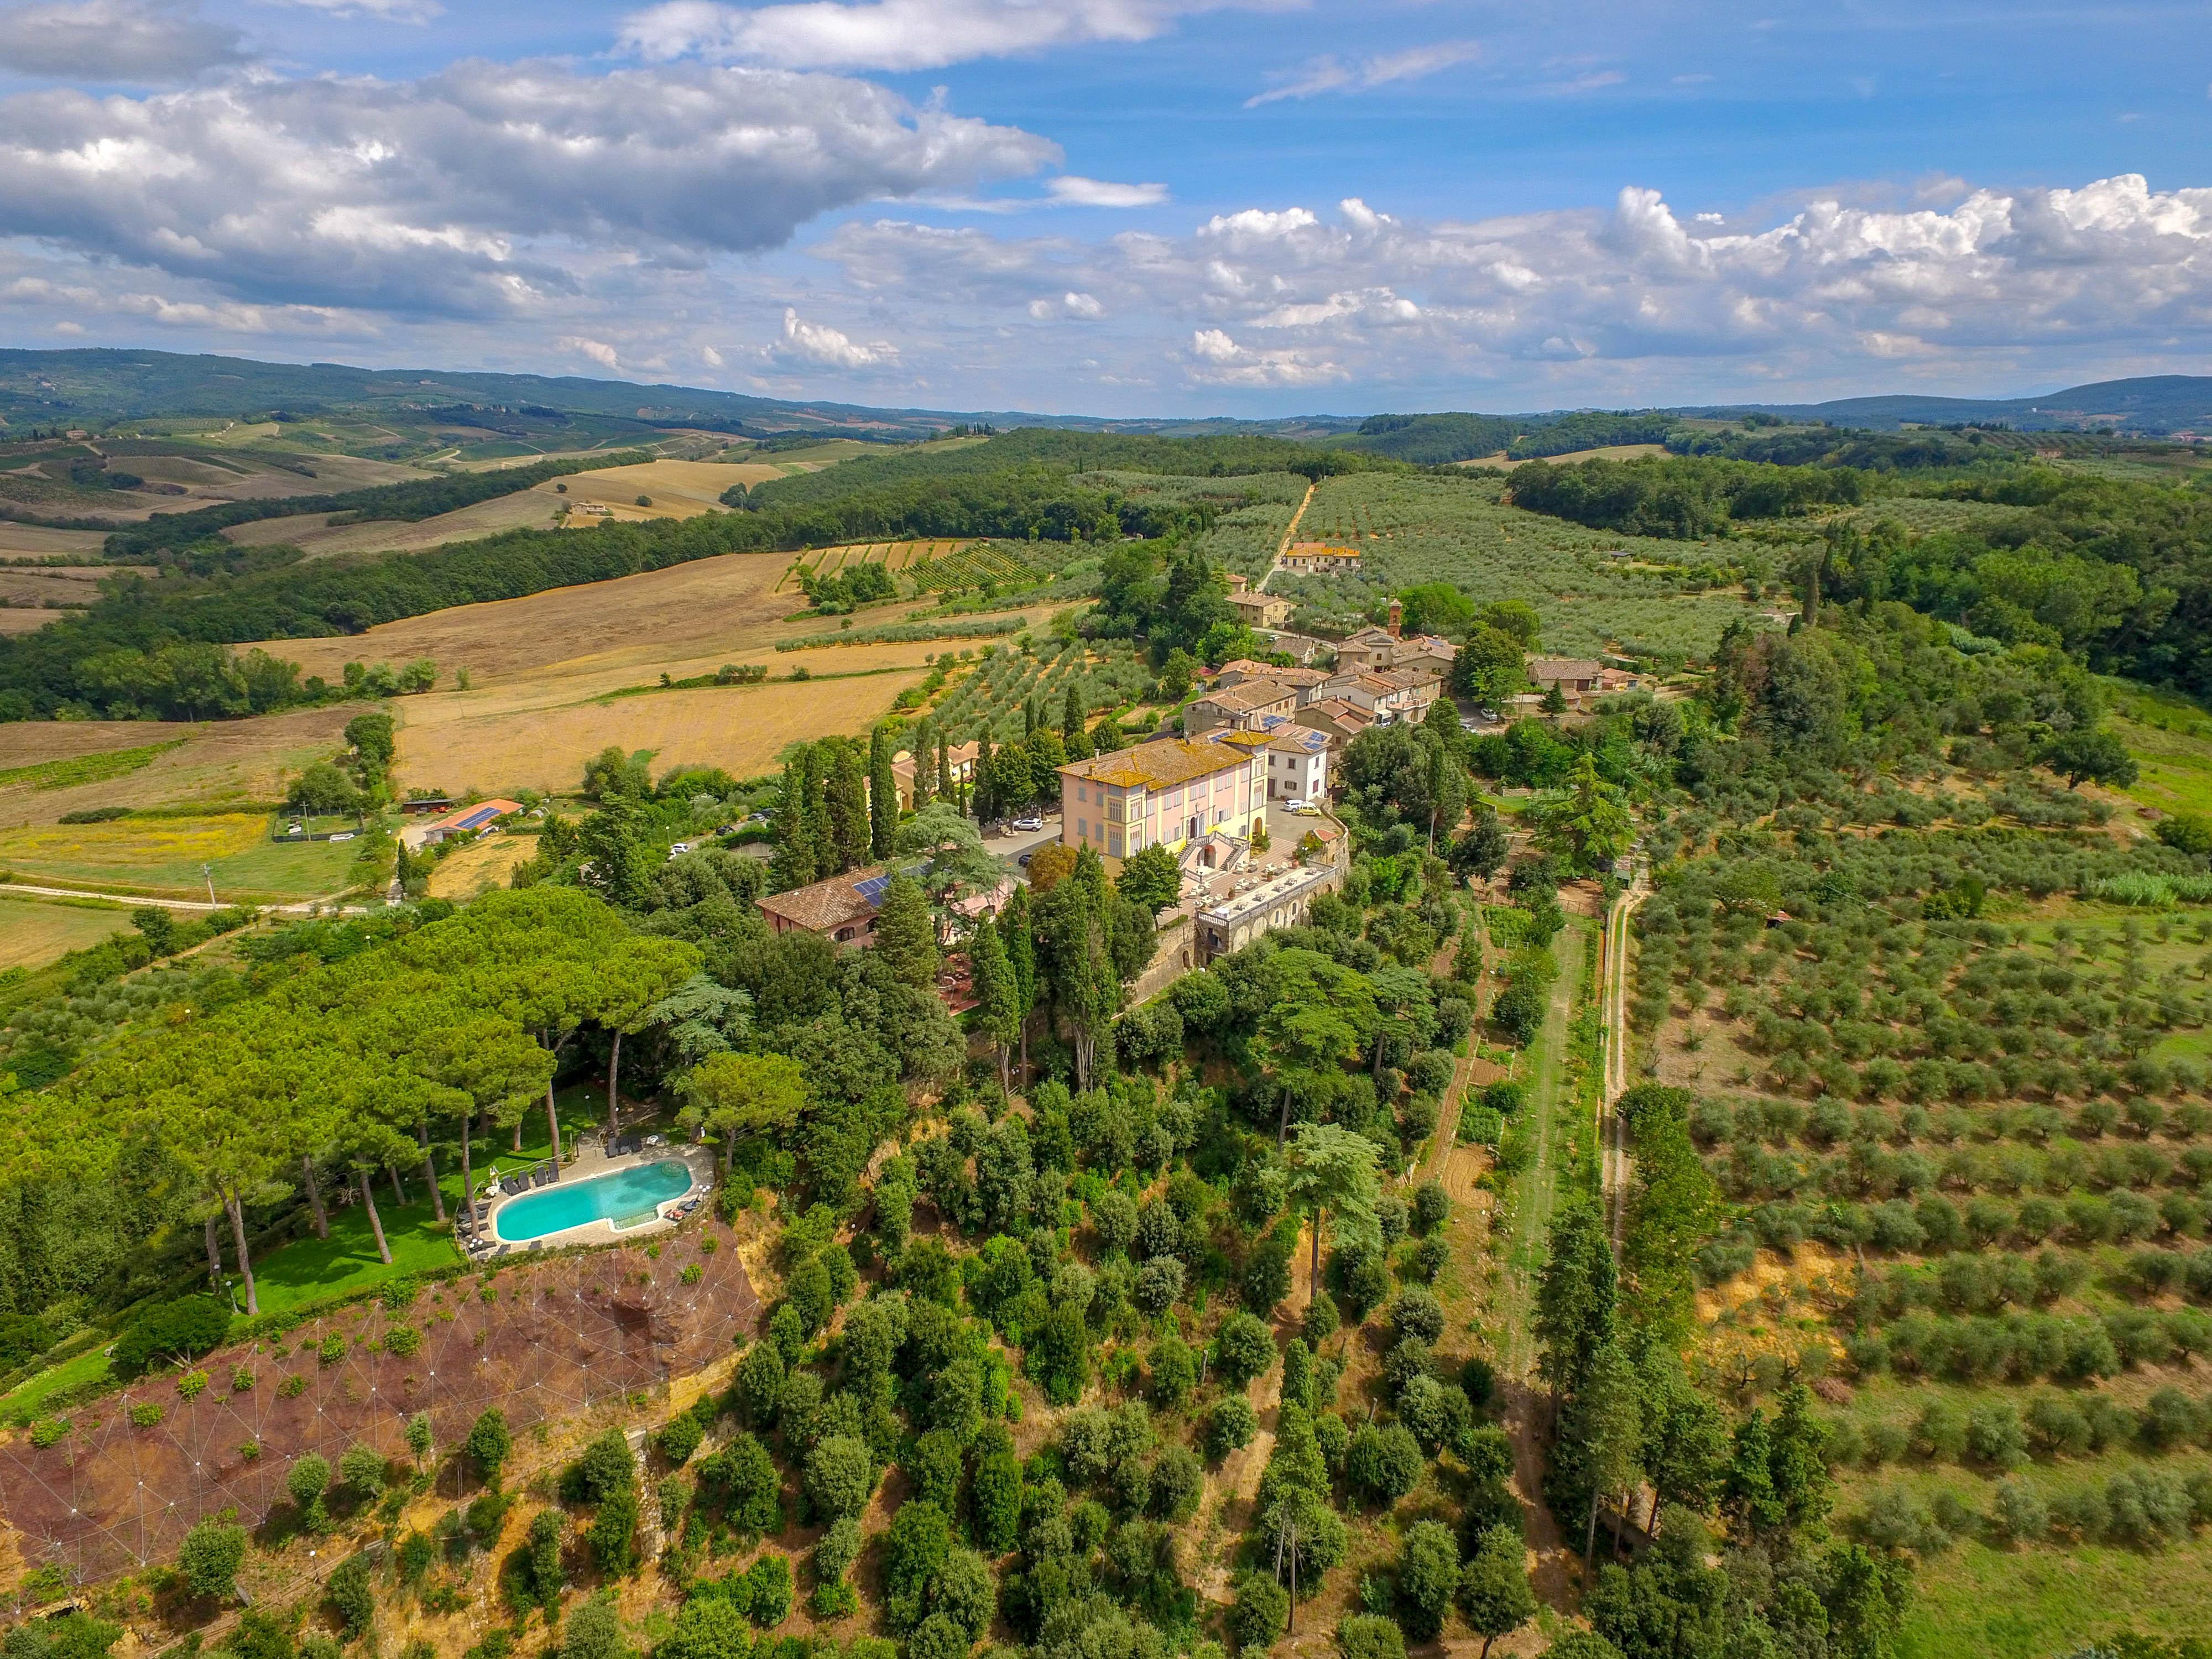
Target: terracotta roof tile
1157 765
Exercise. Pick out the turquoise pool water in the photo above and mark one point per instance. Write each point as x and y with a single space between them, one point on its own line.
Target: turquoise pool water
625 1198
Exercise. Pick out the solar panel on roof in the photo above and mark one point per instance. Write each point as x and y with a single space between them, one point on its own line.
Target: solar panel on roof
482 815
873 888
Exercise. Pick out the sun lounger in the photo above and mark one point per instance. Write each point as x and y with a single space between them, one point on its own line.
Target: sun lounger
540 1177
513 1185
503 1249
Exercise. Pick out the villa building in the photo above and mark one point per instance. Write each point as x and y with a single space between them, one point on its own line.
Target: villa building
1160 793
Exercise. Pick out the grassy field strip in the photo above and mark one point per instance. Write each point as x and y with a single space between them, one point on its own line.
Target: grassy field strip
1615 1083
1536 1192
1539 1185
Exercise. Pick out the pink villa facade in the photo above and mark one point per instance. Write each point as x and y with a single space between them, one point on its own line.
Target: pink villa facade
1165 794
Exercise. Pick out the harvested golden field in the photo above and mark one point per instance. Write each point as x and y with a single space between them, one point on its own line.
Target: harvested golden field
725 603
34 931
314 534
468 870
67 584
537 665
678 489
1606 452
461 741
17 620
32 541
217 763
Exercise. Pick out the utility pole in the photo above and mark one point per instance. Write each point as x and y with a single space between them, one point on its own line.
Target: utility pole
207 871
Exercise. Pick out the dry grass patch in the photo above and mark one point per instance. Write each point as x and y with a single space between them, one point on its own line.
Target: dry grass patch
484 864
679 489
34 931
694 610
449 742
31 541
237 763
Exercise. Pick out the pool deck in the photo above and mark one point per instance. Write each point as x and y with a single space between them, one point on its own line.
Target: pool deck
592 1160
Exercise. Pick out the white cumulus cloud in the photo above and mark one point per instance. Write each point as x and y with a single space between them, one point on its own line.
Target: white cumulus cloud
598 350
831 348
891 34
484 188
1097 192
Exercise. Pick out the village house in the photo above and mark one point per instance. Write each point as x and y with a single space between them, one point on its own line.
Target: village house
1163 794
1390 647
1319 558
1336 718
463 820
1297 763
841 909
844 908
1301 680
1241 707
1386 693
1255 608
1572 675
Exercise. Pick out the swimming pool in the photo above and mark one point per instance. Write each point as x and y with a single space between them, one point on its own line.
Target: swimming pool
627 1198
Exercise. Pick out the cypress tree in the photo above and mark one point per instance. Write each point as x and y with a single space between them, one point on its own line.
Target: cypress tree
847 801
906 936
944 766
883 795
817 814
1019 941
925 769
998 1012
794 829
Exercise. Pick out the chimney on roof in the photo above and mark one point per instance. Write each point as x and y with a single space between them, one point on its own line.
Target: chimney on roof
1397 617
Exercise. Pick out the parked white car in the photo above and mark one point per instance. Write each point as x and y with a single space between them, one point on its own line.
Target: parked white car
342 834
1029 820
679 849
1304 809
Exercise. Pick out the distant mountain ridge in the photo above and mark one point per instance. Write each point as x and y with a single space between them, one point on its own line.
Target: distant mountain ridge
2151 404
105 384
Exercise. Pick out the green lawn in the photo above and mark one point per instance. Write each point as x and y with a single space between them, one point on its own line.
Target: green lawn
28 1399
165 855
315 1270
2171 738
1975 1602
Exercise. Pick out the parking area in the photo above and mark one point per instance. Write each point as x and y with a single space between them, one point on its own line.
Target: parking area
1014 842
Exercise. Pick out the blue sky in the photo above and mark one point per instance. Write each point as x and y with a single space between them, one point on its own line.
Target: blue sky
1124 206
